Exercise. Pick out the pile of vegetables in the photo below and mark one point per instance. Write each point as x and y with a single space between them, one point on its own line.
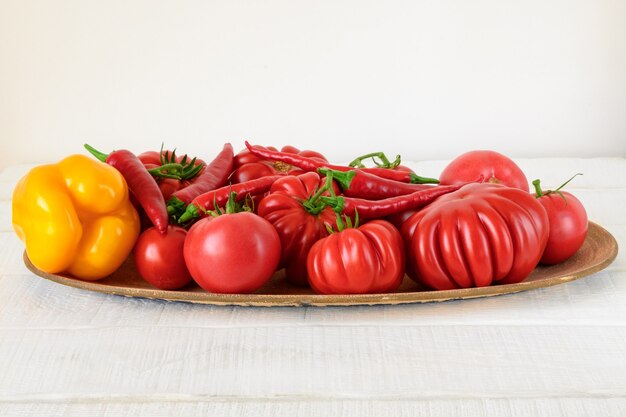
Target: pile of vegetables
231 223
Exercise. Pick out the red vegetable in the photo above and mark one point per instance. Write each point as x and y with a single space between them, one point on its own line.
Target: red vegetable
367 259
218 197
249 166
476 236
213 176
361 184
232 253
159 258
313 164
292 207
493 166
171 172
376 209
568 223
140 183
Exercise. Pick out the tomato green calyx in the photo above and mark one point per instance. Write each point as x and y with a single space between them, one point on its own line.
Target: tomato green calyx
188 168
337 203
314 204
232 206
379 159
343 178
416 179
344 222
540 193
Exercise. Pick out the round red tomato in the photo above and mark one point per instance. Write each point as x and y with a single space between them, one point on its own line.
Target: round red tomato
364 260
159 258
475 236
299 227
492 166
568 226
232 253
248 166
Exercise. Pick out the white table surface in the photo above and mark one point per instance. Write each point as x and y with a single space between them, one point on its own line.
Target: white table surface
558 351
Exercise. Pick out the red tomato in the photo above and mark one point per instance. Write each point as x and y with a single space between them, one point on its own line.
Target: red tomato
248 166
232 253
475 236
365 260
492 166
298 227
568 226
159 258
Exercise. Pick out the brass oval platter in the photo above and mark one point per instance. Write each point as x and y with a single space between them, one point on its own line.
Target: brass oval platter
598 251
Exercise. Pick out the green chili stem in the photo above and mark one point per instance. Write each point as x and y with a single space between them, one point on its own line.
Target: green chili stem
99 155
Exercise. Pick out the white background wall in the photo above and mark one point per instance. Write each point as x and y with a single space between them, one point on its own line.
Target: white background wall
428 79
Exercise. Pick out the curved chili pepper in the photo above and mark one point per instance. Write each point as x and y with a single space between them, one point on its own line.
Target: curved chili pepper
310 164
214 175
362 184
370 209
140 183
218 197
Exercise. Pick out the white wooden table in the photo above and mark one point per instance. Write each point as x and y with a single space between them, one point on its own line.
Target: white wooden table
558 351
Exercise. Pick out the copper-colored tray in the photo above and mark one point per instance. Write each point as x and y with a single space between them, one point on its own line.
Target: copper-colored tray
598 251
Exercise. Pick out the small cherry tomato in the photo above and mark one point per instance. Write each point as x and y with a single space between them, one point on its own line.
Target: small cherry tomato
232 253
159 258
568 224
492 166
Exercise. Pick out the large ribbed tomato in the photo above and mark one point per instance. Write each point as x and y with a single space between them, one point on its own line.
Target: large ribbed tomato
476 236
298 226
364 260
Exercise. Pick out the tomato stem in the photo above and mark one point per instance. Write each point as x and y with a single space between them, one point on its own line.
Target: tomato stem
312 204
384 161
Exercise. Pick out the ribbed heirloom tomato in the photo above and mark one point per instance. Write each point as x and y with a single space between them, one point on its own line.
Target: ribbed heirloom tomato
364 260
232 253
475 236
297 219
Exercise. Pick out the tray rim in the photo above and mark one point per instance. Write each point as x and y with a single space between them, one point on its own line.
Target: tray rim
318 300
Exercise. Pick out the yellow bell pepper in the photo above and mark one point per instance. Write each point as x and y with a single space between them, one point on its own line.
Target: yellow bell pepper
75 217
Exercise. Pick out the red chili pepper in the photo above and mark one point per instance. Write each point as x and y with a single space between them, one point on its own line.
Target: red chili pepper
140 183
361 184
370 209
214 176
218 197
310 164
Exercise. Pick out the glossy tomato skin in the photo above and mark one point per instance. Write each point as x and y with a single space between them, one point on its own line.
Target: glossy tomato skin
568 226
473 237
297 227
159 258
492 166
364 260
248 166
232 253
